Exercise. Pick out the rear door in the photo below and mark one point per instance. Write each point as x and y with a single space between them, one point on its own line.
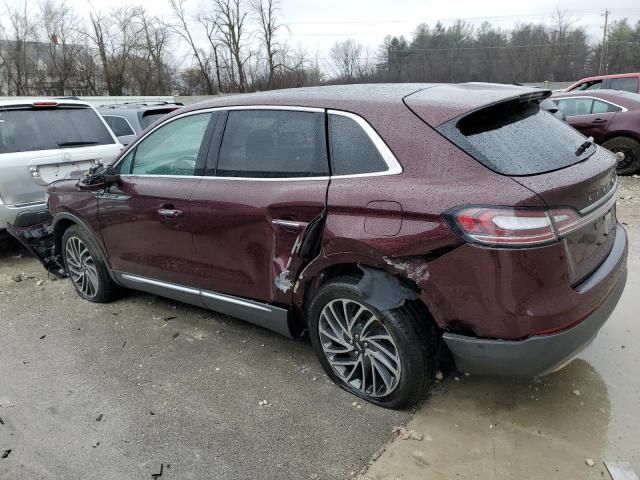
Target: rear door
267 184
145 217
47 141
591 116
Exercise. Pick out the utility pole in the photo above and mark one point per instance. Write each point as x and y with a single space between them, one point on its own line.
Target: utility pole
603 51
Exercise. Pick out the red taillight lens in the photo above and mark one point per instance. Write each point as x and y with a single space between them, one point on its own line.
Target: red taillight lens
513 227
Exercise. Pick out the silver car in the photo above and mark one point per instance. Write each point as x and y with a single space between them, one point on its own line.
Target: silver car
41 141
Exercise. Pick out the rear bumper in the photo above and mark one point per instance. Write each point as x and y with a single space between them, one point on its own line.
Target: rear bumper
542 354
23 215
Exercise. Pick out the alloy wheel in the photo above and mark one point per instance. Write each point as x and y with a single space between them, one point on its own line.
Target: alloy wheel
359 348
82 267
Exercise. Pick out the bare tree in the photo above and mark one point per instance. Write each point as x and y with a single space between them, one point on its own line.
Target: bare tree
183 29
14 56
155 35
232 16
61 29
350 60
268 25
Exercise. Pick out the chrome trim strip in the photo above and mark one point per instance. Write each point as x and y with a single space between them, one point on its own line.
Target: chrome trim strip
194 291
597 203
622 109
26 205
247 179
234 300
589 217
158 283
393 165
287 223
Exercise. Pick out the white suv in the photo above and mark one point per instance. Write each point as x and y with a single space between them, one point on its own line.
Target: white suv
41 141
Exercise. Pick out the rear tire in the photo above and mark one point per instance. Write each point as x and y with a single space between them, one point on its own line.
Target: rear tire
86 269
386 357
630 148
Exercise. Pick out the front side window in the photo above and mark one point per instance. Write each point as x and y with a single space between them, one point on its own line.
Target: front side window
28 129
273 144
352 150
627 84
575 106
119 125
172 149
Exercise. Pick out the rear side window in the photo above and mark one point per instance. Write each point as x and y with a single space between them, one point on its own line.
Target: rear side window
603 107
273 144
627 84
352 150
517 138
119 125
172 149
31 129
150 117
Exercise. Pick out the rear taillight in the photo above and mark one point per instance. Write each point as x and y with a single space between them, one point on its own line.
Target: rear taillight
511 227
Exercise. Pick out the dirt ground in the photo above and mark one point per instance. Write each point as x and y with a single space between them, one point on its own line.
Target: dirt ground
122 390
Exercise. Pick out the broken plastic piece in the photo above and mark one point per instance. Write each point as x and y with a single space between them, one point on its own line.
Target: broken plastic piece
39 241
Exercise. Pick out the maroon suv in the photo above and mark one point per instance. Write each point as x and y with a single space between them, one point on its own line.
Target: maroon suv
393 223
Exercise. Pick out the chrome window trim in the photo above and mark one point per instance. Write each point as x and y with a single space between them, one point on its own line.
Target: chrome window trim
126 120
578 97
394 167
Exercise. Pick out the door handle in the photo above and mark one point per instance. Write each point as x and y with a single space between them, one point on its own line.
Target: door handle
599 120
169 213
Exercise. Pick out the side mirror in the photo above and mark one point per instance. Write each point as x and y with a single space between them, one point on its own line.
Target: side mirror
99 177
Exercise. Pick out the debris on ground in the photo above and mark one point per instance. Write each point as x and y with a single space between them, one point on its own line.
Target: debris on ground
575 392
176 335
152 413
439 376
1 421
99 417
589 462
159 474
42 337
262 403
95 444
6 453
404 434
17 277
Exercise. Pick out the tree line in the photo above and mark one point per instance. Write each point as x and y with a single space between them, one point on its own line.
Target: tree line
237 46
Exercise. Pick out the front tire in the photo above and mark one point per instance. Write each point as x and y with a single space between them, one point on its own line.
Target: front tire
85 267
386 357
627 150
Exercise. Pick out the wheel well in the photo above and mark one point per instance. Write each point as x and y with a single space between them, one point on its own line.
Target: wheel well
58 231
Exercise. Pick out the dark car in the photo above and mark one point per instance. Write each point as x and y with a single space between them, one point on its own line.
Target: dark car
390 222
129 119
611 117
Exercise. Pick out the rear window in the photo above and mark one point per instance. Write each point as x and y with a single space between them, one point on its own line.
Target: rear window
150 117
517 138
30 129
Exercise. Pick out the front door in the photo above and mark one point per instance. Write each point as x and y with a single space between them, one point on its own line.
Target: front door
268 184
145 217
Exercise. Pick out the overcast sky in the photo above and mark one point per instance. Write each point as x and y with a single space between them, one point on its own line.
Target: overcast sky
318 24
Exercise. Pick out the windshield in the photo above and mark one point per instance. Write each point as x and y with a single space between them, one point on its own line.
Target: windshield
517 138
28 129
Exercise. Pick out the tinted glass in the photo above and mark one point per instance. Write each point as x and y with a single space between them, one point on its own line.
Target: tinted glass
119 125
626 84
272 144
575 106
517 138
603 107
150 117
173 148
29 129
352 150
